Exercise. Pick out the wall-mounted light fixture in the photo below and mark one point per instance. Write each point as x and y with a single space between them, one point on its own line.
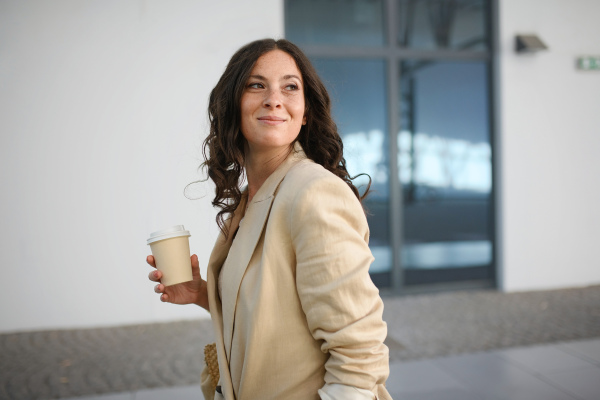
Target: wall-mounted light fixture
529 44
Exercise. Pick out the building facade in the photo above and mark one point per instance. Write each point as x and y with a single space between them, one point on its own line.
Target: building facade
483 160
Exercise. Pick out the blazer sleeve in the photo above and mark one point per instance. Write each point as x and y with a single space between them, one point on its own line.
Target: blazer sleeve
342 305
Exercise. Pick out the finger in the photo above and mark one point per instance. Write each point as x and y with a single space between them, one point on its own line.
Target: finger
160 288
155 276
195 265
164 297
151 261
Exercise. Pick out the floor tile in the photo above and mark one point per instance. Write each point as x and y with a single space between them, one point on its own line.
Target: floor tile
488 373
110 396
484 370
443 394
415 376
541 359
584 383
180 393
535 391
587 349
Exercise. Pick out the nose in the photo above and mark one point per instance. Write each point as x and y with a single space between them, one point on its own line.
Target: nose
272 99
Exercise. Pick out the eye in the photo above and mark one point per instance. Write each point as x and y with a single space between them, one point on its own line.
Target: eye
255 85
292 86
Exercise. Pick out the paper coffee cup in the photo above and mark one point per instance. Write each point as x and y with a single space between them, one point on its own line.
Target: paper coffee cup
171 250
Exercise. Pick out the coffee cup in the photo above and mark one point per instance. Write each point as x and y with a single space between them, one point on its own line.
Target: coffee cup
171 250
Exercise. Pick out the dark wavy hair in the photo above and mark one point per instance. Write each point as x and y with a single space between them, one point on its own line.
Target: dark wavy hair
223 149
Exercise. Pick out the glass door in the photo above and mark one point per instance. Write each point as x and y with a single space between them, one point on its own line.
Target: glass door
445 171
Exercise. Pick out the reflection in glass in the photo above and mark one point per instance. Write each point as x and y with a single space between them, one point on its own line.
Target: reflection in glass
442 24
445 167
334 22
358 92
442 162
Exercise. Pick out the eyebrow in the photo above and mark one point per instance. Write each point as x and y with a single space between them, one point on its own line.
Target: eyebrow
284 77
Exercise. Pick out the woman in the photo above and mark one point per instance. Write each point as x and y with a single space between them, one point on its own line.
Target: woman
295 313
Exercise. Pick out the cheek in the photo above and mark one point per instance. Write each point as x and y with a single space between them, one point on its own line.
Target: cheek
244 108
300 108
249 103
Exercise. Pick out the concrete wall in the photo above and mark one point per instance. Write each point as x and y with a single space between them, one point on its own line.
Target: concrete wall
102 116
550 146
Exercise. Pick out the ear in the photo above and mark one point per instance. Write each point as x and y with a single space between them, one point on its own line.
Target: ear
304 120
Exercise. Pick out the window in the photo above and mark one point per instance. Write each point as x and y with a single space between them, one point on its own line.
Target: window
409 81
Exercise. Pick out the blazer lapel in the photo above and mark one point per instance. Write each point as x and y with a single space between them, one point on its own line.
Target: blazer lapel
249 233
239 256
217 258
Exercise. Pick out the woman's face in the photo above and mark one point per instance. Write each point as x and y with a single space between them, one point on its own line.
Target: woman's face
272 103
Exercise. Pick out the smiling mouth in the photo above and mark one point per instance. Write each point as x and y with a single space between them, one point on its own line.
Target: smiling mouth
268 118
271 120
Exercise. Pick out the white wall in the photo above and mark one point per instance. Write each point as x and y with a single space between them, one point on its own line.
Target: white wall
550 146
102 116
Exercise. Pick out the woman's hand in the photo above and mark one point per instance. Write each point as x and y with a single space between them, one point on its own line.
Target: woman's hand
192 292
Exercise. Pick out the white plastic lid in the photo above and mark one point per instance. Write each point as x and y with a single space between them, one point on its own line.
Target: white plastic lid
168 233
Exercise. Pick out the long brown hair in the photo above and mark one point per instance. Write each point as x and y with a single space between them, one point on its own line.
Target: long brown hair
224 147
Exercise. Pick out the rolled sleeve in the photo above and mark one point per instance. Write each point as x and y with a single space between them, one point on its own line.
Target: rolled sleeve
335 391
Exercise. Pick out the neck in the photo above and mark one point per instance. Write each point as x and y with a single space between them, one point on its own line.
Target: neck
260 165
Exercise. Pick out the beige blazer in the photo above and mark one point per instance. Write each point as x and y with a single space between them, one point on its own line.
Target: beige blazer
298 309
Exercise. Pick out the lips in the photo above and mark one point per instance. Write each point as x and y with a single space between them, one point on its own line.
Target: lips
271 120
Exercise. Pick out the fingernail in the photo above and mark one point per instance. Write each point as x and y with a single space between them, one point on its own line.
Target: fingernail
155 274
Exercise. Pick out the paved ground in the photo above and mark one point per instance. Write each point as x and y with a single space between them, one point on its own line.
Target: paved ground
559 371
62 364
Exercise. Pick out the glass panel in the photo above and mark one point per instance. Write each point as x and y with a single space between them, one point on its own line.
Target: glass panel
445 164
358 92
335 22
442 24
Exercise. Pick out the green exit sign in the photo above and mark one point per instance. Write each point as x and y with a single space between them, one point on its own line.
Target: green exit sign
589 63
